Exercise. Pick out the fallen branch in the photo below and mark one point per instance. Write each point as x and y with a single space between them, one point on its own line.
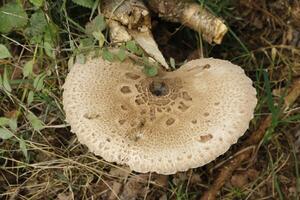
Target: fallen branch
192 15
255 138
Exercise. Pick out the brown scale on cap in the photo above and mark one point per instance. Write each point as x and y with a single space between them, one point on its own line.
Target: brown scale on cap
173 122
159 95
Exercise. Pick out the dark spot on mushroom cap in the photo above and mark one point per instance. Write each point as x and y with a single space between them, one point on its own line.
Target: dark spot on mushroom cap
158 88
186 96
125 89
205 138
207 66
123 107
170 121
194 121
183 107
90 116
132 76
139 101
122 121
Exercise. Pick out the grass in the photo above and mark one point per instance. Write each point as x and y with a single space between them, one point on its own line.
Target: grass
42 159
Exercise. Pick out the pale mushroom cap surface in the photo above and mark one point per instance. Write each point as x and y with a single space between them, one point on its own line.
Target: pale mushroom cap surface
199 111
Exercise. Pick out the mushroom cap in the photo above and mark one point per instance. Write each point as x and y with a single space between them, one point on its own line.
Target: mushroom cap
173 122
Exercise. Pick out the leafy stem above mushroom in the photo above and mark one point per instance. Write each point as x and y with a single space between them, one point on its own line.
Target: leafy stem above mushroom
131 19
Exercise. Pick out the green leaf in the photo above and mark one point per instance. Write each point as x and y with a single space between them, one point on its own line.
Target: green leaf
13 124
4 53
96 25
30 97
5 134
37 3
84 3
27 69
100 37
12 16
23 148
51 34
151 71
132 47
35 122
49 50
38 82
107 55
86 44
5 83
38 23
4 121
275 110
37 27
121 54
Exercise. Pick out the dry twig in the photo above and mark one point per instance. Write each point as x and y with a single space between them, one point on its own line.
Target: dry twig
192 15
255 138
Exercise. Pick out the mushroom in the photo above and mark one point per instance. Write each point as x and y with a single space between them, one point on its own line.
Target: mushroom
172 122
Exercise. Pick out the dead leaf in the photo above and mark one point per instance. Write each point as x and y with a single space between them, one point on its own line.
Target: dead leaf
239 180
252 174
161 180
180 177
120 172
195 179
11 114
135 187
116 187
64 196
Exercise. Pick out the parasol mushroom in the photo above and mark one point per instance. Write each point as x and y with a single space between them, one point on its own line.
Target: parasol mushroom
165 124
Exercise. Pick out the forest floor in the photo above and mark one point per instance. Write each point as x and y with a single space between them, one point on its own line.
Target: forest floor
41 159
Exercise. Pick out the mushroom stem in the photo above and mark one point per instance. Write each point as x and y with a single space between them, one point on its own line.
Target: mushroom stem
131 13
118 33
191 15
131 19
148 44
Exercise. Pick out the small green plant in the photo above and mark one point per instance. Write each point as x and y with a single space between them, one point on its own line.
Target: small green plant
13 17
237 193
